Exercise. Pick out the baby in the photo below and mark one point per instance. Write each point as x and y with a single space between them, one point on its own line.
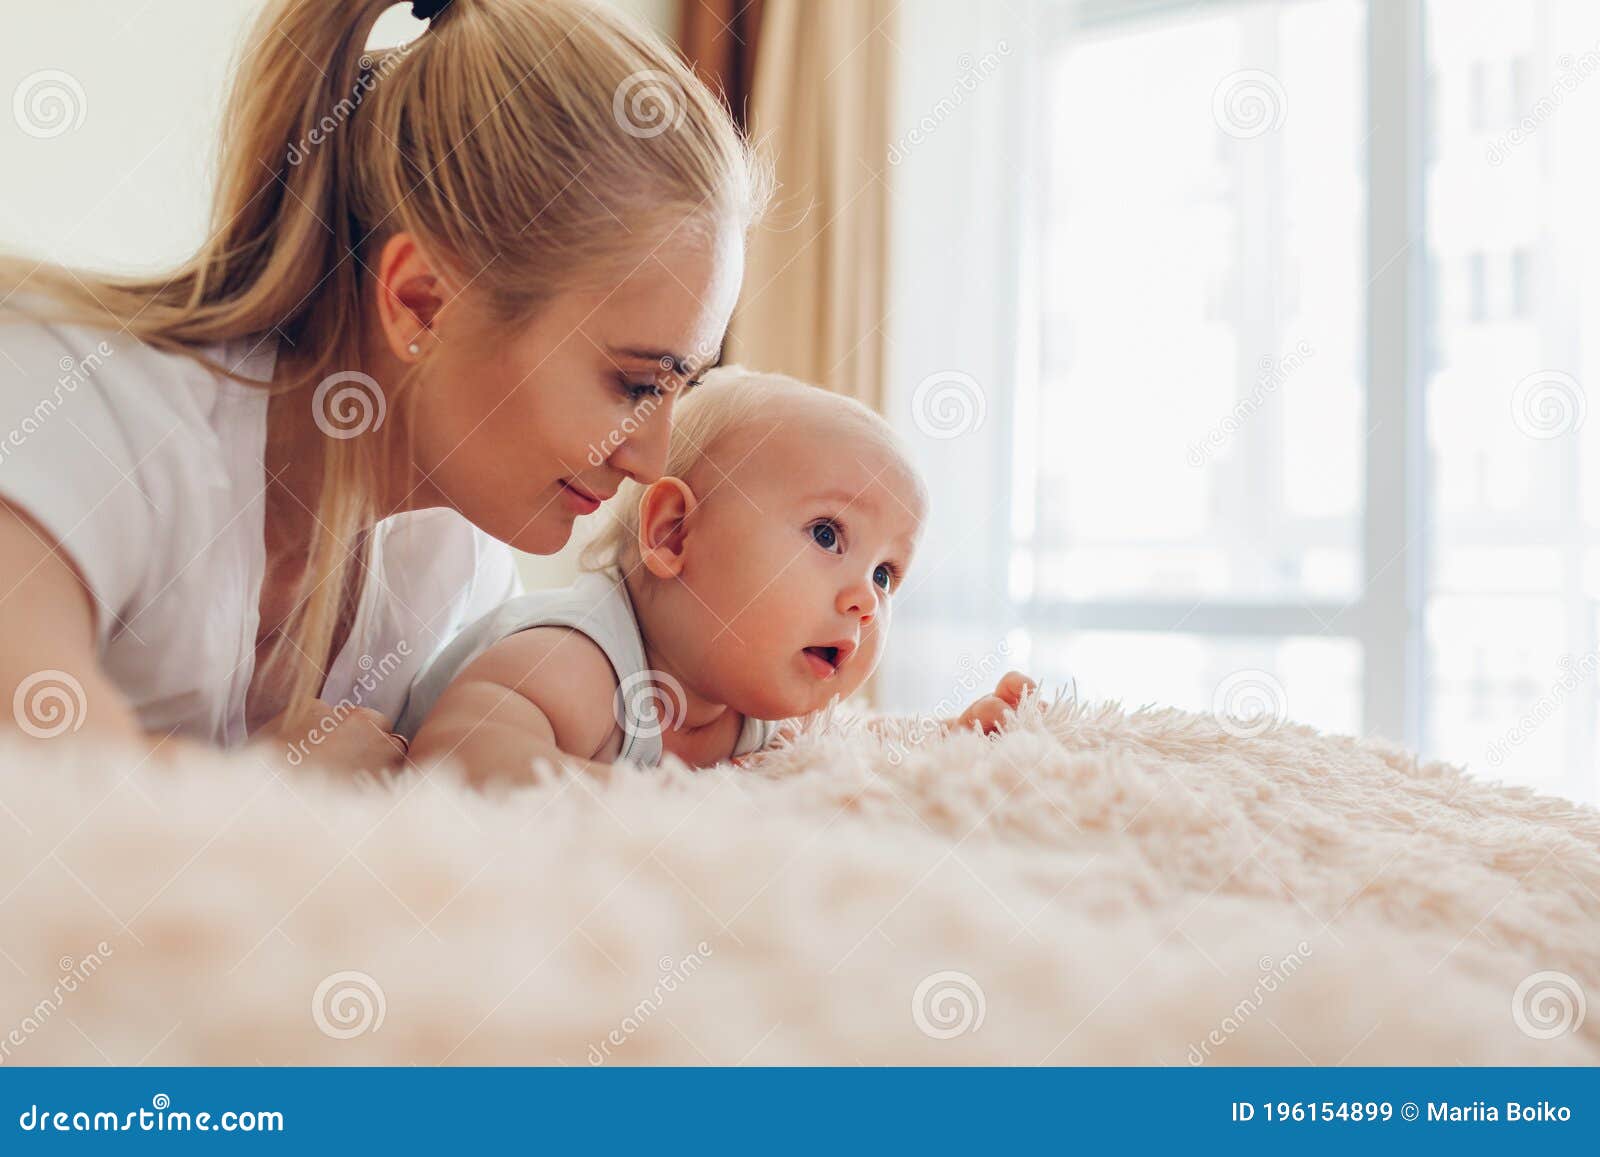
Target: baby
754 582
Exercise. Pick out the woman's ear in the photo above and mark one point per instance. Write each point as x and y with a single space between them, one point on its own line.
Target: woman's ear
410 295
663 507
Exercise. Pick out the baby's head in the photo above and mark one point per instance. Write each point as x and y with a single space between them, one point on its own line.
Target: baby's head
784 523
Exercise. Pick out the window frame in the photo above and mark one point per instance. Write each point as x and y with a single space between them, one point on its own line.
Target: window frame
1387 617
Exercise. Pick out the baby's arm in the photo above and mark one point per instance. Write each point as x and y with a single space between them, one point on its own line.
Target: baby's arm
986 714
542 693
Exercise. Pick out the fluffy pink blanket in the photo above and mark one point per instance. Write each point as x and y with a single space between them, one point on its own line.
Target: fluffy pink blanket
1089 887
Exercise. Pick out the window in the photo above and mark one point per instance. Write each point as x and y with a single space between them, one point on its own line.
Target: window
1284 402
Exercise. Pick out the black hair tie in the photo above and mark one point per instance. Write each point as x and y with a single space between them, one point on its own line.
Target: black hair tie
428 9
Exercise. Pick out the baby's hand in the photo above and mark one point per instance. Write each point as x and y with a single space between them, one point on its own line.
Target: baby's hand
987 714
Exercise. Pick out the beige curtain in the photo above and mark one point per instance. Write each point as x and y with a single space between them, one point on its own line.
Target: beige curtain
719 37
815 293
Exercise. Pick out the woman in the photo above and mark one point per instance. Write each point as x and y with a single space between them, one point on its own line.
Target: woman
451 293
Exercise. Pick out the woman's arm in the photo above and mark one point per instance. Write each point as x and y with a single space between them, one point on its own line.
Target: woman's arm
53 689
47 622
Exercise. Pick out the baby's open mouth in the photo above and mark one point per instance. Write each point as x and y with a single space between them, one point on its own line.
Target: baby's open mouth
829 657
829 654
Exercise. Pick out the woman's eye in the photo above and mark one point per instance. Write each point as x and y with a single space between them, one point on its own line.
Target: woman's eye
825 534
640 390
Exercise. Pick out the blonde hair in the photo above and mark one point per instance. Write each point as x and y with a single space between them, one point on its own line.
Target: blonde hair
486 138
728 399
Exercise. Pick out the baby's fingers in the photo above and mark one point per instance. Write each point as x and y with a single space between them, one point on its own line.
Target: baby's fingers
1011 686
985 715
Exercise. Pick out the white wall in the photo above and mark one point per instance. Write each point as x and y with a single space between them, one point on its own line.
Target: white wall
124 181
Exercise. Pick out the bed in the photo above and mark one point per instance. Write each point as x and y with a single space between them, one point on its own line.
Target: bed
1091 886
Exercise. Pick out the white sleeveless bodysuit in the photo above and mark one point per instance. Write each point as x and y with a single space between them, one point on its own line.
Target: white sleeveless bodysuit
598 605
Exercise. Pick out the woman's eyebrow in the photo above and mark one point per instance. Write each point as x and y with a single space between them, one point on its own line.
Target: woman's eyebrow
680 365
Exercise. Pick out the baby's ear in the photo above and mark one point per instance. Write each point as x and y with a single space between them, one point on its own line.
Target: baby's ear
663 507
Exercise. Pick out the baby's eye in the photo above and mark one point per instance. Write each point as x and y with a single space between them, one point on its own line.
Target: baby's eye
886 576
825 534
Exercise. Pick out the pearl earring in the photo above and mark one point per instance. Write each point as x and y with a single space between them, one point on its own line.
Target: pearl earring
414 348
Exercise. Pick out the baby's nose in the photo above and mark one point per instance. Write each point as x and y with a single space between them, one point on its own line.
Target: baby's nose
859 599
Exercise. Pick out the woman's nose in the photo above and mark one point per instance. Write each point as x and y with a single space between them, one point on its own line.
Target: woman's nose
643 454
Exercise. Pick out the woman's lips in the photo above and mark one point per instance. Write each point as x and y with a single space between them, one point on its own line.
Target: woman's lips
577 500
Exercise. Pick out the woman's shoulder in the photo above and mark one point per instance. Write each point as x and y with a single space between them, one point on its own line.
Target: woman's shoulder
126 455
152 412
45 353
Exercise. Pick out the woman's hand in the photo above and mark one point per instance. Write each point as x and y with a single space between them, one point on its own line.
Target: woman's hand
988 714
357 739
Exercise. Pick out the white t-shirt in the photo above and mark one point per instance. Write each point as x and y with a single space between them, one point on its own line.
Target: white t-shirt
148 469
